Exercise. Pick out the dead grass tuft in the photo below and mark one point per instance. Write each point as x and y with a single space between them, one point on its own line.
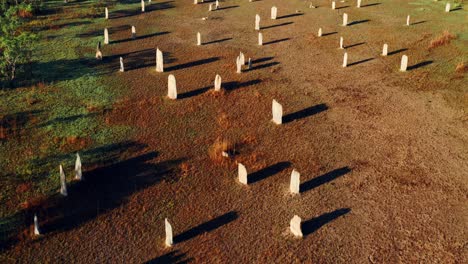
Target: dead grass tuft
442 40
25 13
216 150
34 204
461 68
223 121
23 187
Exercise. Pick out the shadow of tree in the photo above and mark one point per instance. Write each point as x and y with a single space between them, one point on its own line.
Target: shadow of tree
154 6
12 124
108 182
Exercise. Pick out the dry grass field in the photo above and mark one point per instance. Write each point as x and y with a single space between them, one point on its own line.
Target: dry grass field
383 154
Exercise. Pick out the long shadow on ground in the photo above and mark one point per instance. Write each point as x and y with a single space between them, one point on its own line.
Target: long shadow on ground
148 8
309 111
107 184
314 224
206 227
173 257
268 171
327 177
104 189
191 64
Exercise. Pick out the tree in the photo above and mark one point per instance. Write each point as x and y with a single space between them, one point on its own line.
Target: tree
15 43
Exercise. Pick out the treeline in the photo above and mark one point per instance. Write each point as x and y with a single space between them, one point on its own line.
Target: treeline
16 42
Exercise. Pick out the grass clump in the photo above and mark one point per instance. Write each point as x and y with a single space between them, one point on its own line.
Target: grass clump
442 40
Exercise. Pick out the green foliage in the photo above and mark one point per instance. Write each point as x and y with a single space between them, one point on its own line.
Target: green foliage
15 44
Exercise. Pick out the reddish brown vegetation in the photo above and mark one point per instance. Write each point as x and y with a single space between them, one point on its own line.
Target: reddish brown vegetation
23 187
442 40
461 68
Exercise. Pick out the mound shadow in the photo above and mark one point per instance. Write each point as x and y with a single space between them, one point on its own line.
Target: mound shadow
231 86
206 227
396 51
173 257
314 224
191 64
140 37
291 15
358 22
419 65
217 41
355 45
277 25
359 62
268 171
327 177
309 111
275 41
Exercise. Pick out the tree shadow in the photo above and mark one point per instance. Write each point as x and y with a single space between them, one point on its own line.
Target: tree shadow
275 41
206 227
291 15
173 257
419 65
111 30
12 124
140 37
396 51
132 60
309 111
191 64
359 62
358 22
268 171
148 8
68 119
314 224
354 45
231 86
217 41
327 177
277 25
112 173
103 189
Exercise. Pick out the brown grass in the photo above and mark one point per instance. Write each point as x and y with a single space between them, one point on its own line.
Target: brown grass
34 204
25 13
23 187
217 149
461 68
442 40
